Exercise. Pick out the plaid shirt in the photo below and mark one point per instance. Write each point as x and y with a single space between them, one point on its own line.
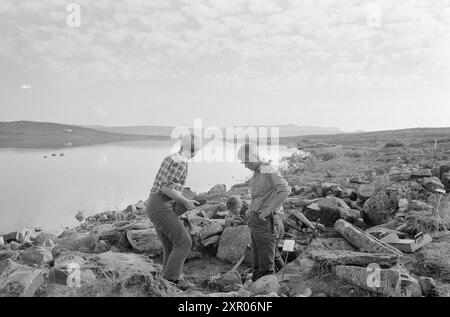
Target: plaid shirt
172 173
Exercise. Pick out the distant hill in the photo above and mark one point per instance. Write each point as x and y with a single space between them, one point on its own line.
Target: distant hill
29 134
416 137
285 130
136 130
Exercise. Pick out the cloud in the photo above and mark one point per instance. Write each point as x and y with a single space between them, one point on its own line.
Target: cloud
228 42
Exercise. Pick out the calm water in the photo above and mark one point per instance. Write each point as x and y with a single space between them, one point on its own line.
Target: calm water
47 192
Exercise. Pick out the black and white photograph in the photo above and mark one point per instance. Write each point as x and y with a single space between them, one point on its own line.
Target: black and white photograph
226 155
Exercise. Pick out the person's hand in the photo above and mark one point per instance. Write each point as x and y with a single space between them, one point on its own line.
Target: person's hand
191 204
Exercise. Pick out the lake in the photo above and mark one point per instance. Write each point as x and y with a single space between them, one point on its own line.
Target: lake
47 192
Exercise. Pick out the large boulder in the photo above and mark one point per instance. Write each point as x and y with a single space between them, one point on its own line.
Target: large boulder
219 189
265 285
233 243
362 240
399 174
432 184
204 228
385 282
381 207
421 173
417 205
9 254
124 265
100 229
36 255
145 240
446 181
328 210
82 242
44 239
18 280
364 192
117 238
301 265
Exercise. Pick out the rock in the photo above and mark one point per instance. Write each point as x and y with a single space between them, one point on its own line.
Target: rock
67 233
417 205
362 240
59 276
356 180
403 205
211 240
432 183
138 224
124 265
434 260
349 193
117 239
233 243
325 188
141 205
8 254
427 285
204 228
45 239
240 293
425 172
342 257
69 257
228 282
10 237
350 215
79 216
297 190
381 207
410 286
78 242
383 281
443 169
265 285
399 174
100 229
271 294
382 232
145 240
301 265
297 215
219 189
331 244
364 192
19 280
14 245
446 181
102 246
35 255
328 210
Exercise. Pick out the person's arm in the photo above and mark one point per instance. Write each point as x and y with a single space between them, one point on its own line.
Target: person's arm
282 192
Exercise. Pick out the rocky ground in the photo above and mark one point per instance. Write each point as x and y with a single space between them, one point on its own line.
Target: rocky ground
360 195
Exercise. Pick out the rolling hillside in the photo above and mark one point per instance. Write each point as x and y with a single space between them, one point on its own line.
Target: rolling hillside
29 134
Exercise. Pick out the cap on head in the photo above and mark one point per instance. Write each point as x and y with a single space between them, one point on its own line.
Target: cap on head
248 153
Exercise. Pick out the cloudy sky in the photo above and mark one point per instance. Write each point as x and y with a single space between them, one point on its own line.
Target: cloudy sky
351 64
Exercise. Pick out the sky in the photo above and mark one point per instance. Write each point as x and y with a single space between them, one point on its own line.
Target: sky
351 64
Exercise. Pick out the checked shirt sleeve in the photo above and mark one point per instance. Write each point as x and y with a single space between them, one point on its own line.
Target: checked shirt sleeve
176 175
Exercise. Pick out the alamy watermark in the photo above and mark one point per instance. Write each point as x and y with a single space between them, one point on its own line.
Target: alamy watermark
222 144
